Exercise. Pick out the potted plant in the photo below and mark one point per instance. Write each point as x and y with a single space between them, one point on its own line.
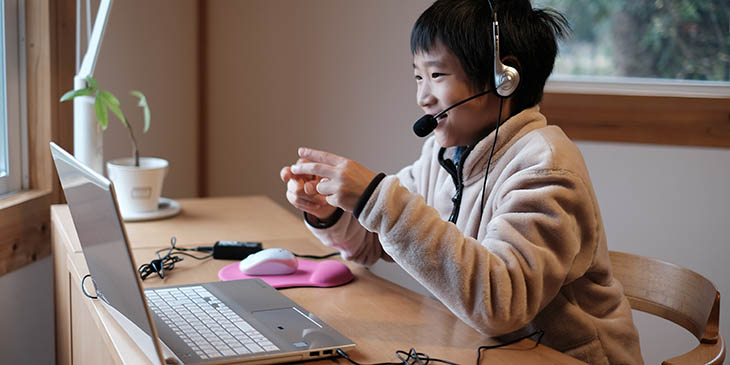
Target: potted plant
138 181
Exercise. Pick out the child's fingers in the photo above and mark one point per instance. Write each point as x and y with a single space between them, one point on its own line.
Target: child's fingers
302 204
310 187
285 174
305 176
297 188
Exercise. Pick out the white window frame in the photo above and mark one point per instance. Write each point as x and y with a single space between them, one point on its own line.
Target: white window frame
635 86
15 93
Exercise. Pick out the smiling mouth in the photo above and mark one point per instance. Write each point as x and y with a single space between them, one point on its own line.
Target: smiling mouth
442 116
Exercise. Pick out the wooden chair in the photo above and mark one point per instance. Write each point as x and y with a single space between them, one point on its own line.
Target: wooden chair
677 294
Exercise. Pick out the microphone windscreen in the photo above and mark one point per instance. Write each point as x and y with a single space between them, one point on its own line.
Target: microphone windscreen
425 125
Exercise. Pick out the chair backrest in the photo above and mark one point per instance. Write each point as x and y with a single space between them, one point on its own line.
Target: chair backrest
671 292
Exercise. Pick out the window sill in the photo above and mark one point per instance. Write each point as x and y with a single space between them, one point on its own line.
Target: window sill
13 199
634 86
666 120
25 224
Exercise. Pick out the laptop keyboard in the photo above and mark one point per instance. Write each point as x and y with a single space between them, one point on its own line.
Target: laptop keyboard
205 323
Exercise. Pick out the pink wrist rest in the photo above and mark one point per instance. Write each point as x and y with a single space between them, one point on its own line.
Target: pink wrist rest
322 274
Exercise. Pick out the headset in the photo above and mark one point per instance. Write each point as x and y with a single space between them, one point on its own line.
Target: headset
506 78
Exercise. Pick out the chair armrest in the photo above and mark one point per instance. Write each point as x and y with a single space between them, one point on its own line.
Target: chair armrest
702 354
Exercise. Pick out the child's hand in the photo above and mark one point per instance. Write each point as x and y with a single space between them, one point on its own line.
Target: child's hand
341 180
302 193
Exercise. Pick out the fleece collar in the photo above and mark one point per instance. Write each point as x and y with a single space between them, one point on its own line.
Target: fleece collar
509 131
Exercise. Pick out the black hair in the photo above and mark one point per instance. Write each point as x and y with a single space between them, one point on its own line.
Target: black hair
465 28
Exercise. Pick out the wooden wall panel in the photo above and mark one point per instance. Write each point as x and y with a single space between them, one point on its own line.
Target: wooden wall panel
25 230
641 119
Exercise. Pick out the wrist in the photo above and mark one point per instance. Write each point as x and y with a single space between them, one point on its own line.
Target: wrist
327 222
360 205
324 214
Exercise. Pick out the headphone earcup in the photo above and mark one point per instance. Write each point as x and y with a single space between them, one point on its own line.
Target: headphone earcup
507 80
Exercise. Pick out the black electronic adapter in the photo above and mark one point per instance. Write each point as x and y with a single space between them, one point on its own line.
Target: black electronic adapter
234 250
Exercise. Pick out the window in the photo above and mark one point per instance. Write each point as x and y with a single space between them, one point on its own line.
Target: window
13 173
642 71
25 215
644 47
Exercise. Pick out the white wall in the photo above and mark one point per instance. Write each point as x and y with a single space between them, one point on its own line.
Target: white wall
328 74
670 203
337 75
152 46
26 315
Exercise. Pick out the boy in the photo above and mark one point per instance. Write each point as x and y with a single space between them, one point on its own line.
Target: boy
497 218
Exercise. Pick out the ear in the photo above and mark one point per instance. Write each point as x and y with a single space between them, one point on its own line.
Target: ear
512 61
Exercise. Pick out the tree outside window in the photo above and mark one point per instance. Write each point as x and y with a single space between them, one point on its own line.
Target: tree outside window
665 39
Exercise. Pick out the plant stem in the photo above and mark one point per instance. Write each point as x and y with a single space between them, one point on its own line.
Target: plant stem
135 151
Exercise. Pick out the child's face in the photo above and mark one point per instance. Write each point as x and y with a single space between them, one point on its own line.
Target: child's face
441 83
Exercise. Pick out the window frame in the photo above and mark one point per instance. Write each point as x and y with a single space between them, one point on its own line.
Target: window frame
636 86
25 216
14 91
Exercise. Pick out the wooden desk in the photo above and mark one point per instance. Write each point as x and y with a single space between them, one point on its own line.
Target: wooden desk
381 317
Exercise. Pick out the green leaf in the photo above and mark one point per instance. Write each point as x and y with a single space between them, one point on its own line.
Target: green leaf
93 85
143 103
109 97
74 93
111 102
118 112
101 113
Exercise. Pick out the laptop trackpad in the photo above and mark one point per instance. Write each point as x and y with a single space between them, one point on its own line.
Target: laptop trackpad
290 323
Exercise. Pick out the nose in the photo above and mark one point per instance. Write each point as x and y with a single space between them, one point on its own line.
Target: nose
424 96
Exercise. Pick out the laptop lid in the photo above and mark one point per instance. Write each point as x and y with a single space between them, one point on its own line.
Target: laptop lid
103 239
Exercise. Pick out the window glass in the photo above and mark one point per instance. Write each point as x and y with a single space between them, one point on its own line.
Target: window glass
3 99
11 123
660 39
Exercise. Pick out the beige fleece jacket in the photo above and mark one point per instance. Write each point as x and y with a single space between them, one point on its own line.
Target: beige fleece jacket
537 259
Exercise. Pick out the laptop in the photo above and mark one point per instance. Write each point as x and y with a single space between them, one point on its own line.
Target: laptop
236 321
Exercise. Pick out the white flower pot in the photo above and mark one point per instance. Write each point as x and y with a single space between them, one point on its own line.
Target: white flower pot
138 188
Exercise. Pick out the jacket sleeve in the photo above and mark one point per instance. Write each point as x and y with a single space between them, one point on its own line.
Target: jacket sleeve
356 243
533 246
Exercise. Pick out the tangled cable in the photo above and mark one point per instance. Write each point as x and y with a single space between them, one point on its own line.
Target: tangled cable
413 357
167 262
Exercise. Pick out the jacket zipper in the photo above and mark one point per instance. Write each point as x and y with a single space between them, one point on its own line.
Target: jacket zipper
456 172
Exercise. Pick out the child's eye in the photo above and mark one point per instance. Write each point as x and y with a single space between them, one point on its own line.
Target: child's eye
436 75
418 78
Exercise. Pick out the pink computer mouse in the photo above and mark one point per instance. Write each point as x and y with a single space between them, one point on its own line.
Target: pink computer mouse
271 261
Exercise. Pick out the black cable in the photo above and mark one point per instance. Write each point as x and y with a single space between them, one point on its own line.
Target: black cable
414 357
83 289
314 257
178 251
489 161
407 358
539 334
167 262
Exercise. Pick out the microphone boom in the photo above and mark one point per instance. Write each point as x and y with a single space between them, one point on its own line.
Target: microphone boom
427 123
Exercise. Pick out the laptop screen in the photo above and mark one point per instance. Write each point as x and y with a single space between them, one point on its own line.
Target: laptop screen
102 237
